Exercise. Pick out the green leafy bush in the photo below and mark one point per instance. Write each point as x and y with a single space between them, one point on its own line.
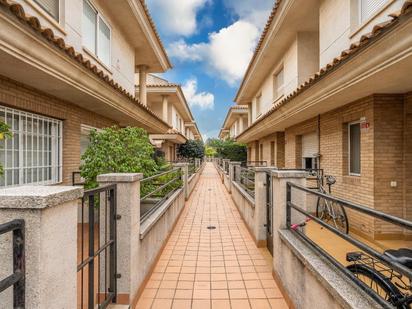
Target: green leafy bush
192 149
117 150
4 134
229 149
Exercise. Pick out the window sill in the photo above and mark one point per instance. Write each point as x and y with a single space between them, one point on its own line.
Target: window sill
352 179
365 23
275 101
95 58
46 16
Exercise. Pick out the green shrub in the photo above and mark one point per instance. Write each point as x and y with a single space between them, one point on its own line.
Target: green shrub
117 150
192 149
229 149
4 134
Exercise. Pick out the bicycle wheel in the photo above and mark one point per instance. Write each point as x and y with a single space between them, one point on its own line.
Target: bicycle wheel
380 284
333 214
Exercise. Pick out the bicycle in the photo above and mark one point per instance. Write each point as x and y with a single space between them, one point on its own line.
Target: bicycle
383 280
330 211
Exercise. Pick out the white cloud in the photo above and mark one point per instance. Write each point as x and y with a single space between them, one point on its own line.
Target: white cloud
176 18
204 100
227 52
255 12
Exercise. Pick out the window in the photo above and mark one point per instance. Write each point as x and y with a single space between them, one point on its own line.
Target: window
51 7
369 7
278 85
354 132
96 33
34 154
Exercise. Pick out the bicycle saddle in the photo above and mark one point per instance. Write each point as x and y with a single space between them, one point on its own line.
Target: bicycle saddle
330 180
402 256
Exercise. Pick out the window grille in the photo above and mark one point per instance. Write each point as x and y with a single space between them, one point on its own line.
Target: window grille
34 154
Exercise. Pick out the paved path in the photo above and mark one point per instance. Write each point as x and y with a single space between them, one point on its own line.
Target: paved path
219 268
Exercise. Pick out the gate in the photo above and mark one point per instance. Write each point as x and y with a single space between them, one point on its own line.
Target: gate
269 213
97 270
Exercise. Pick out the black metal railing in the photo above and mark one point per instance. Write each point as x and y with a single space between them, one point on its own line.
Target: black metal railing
226 167
97 267
156 189
304 216
192 169
17 279
245 177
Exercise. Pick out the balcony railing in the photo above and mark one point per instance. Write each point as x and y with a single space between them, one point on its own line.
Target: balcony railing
17 278
156 189
358 265
245 178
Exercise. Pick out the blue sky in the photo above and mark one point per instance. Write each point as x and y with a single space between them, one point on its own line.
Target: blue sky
210 43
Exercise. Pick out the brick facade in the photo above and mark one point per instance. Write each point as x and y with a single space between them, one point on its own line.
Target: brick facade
386 157
18 96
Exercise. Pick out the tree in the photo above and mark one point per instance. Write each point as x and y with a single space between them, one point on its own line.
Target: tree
229 149
210 151
116 150
192 149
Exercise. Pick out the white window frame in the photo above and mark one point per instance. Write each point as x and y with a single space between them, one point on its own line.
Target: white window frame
99 17
349 150
40 5
56 164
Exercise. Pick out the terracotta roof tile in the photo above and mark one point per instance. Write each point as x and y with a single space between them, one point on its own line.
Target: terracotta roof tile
149 17
354 48
47 33
262 39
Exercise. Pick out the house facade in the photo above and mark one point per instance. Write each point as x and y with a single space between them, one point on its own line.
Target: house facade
235 123
67 67
333 92
168 102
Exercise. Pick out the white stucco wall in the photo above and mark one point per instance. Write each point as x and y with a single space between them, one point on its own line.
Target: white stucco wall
339 25
69 27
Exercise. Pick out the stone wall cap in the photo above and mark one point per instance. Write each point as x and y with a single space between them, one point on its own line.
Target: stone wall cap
180 164
288 174
38 197
235 162
119 177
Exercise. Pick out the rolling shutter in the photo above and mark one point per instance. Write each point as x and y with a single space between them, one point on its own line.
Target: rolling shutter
310 145
369 7
51 6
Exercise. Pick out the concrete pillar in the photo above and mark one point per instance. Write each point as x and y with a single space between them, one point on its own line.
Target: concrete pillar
279 181
232 166
226 164
185 177
241 128
165 108
128 229
260 206
143 84
249 115
197 163
50 240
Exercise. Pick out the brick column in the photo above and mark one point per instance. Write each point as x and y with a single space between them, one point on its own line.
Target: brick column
128 229
50 240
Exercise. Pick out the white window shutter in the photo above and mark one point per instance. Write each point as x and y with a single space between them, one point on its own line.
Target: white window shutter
51 6
369 7
310 145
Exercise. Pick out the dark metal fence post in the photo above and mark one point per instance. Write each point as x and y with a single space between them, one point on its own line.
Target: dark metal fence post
91 251
113 248
288 203
19 265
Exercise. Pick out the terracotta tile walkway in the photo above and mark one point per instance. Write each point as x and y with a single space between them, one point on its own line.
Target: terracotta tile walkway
211 268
